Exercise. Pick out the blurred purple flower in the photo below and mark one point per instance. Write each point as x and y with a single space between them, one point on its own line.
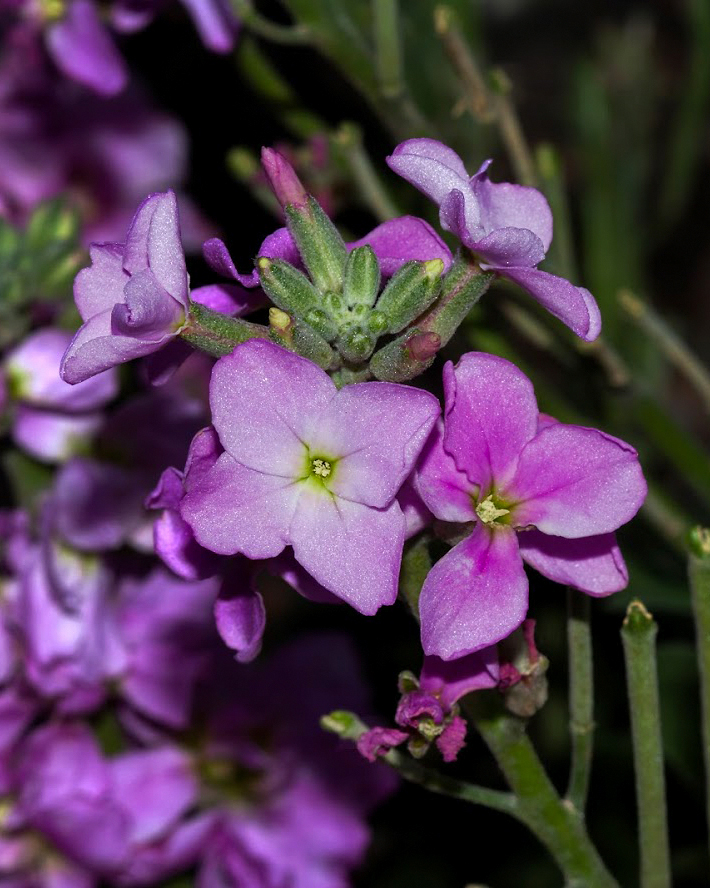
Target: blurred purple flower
508 226
537 490
312 467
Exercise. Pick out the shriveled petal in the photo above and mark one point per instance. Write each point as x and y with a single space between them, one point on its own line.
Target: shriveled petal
432 167
165 254
452 739
504 205
576 482
95 348
445 491
574 306
396 241
264 403
82 48
378 741
591 564
149 312
235 509
375 431
510 247
475 595
352 550
100 286
453 679
214 22
491 413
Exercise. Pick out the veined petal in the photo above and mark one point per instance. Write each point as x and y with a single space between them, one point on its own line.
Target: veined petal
510 247
265 401
591 564
574 306
149 312
504 205
445 490
491 413
396 241
375 431
576 482
352 550
432 167
100 286
165 254
475 595
236 509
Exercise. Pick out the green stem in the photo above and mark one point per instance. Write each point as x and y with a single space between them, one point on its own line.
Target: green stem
216 333
699 573
251 19
554 821
638 634
374 193
581 697
388 50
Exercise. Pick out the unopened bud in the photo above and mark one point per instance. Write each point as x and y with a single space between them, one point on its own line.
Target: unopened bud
279 321
356 345
322 249
396 363
343 723
283 179
287 287
423 346
362 278
410 292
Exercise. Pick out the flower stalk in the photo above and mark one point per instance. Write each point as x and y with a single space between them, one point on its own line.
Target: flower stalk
581 697
638 634
699 575
216 333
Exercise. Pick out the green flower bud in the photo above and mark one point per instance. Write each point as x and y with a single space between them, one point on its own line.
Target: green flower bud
362 278
321 247
356 345
410 292
288 288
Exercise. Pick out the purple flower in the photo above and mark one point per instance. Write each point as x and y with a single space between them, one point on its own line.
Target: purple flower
312 467
133 298
508 226
537 490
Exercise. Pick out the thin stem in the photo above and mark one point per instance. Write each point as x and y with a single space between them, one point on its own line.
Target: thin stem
554 821
286 34
217 333
511 130
581 697
388 49
638 634
699 574
374 193
669 343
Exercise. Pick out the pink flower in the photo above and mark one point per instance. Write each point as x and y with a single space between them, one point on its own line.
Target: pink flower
312 467
537 490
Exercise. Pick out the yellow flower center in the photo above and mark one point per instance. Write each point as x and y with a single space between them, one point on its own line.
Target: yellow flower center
489 512
321 468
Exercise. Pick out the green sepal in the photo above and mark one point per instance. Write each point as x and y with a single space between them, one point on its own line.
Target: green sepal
287 287
401 360
299 337
356 345
362 278
216 333
463 286
410 292
321 247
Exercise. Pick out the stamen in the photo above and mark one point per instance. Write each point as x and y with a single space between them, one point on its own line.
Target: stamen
321 468
488 512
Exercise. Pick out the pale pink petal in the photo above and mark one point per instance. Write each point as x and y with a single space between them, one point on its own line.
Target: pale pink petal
504 205
432 167
475 595
352 550
576 482
491 413
149 312
135 257
446 491
165 254
234 509
509 247
591 564
375 431
264 403
100 286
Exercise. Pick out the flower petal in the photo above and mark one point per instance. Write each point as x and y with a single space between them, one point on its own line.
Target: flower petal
510 247
100 286
229 299
215 23
352 550
375 430
574 306
53 437
453 679
504 205
396 241
576 482
166 258
264 402
240 616
475 595
432 167
591 564
149 312
445 491
491 413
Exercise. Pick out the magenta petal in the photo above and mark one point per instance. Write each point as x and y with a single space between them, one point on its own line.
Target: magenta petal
574 306
475 595
375 431
100 286
432 167
591 564
240 617
453 679
235 509
352 550
576 482
510 247
378 741
214 22
445 490
504 205
396 241
149 312
264 402
82 48
230 299
491 413
452 739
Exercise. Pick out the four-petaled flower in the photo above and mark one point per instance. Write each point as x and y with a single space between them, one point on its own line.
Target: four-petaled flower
551 493
312 467
508 226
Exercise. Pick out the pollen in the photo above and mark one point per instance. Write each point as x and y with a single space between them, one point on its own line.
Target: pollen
488 512
321 468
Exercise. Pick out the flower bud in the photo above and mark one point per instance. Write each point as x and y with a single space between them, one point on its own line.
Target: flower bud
362 278
297 336
397 362
283 179
321 247
410 292
356 345
287 287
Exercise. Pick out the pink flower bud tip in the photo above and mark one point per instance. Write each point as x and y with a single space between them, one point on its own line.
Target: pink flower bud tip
283 179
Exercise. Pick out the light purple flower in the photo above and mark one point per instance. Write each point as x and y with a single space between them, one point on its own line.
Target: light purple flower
133 298
508 226
312 467
537 490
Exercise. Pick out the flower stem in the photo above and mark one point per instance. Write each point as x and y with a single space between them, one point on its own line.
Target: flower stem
388 50
216 333
581 697
554 821
699 573
287 34
349 139
638 634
